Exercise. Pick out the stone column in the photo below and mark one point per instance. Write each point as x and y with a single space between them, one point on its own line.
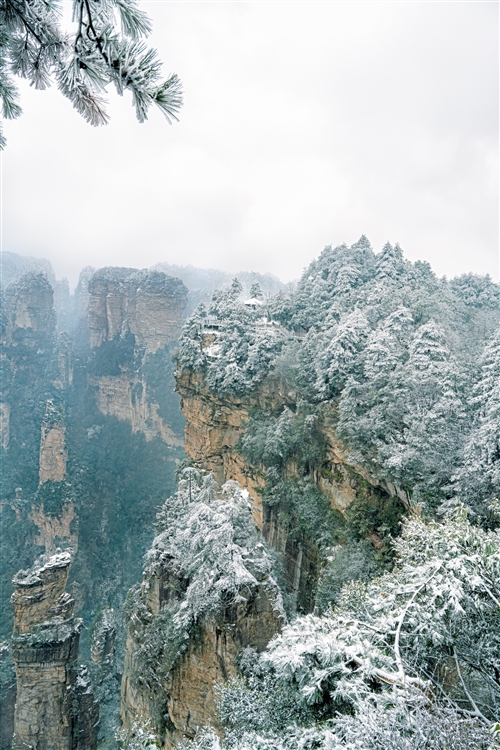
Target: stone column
45 654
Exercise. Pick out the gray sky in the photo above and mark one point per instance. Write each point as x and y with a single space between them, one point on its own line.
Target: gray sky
304 124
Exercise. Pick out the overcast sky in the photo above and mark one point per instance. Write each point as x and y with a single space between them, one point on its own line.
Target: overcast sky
304 124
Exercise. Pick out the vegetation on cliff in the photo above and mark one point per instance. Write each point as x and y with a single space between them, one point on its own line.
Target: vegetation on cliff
209 558
388 381
245 345
407 661
373 380
112 479
406 363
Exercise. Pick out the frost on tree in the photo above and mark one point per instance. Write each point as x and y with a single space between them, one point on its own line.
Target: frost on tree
106 47
406 662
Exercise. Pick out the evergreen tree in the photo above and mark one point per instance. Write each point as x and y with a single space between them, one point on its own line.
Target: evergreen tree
106 48
412 657
478 478
256 291
339 357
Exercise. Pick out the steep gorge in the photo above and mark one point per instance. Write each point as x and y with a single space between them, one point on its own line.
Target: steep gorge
92 436
77 465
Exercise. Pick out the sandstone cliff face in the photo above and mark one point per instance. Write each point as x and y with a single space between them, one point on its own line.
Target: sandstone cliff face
149 304
53 453
212 660
126 397
55 531
189 691
54 708
30 308
214 425
132 317
40 593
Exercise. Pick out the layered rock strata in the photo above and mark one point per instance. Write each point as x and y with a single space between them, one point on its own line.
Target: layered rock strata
54 708
188 700
149 304
132 316
30 308
126 397
214 426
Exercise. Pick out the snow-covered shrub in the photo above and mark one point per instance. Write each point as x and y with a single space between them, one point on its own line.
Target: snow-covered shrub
405 662
208 553
354 561
433 621
421 728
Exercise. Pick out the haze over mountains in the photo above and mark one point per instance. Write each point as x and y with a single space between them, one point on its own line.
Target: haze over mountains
262 511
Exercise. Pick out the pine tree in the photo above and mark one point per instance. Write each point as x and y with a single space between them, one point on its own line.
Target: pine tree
106 48
478 479
256 291
339 358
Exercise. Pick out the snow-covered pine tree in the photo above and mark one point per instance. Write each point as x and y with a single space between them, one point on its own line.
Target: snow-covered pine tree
337 355
107 47
256 291
406 662
478 478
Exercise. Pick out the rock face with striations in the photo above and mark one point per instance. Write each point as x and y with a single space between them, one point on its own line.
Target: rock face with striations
149 304
189 690
214 426
133 318
54 705
30 309
53 453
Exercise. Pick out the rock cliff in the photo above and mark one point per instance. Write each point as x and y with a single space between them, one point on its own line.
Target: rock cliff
53 453
54 531
126 397
210 657
30 309
149 304
90 440
208 591
54 704
133 319
215 425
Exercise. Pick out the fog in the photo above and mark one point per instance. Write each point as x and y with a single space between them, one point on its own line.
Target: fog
304 124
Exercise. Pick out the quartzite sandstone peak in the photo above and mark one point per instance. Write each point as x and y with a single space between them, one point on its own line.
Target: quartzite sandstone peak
149 304
54 705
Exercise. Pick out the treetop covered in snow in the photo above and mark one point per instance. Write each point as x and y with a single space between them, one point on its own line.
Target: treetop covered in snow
408 363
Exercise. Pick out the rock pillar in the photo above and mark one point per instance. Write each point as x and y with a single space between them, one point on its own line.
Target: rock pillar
45 653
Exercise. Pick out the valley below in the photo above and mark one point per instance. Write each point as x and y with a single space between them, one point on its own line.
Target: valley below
239 515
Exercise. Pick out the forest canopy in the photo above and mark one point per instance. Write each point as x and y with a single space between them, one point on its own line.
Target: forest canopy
406 363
